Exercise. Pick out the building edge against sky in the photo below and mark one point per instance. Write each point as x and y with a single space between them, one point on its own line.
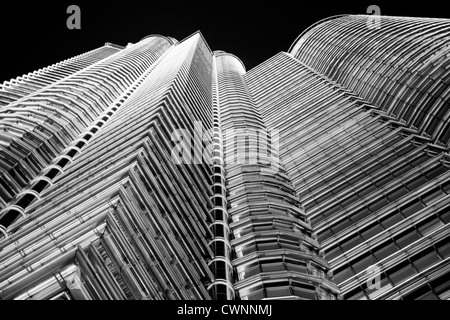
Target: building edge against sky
327 175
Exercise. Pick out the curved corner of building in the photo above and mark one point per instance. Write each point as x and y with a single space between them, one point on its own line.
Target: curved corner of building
295 46
219 53
170 40
113 45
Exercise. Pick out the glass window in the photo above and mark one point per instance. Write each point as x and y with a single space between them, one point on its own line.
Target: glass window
367 191
373 168
446 187
356 294
443 247
435 172
296 267
400 171
247 249
349 201
262 228
406 238
315 220
325 234
272 267
257 295
341 225
324 197
360 214
421 159
430 197
371 231
380 203
363 263
401 272
304 292
351 242
429 224
411 208
357 178
444 215
389 159
332 210
343 274
248 272
363 159
267 246
389 221
424 260
383 181
441 286
397 194
416 183
333 253
278 292
428 296
418 293
385 250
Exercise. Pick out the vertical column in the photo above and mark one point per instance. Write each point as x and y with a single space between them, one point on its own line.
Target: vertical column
274 251
222 288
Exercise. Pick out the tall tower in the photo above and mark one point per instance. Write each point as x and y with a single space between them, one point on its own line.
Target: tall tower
274 254
136 177
15 89
97 209
367 149
165 170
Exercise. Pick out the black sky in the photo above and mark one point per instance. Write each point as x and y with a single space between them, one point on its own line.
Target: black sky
34 34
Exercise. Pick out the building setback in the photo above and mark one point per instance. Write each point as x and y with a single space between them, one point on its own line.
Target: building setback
165 170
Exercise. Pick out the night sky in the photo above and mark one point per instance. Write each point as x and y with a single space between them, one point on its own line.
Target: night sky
34 35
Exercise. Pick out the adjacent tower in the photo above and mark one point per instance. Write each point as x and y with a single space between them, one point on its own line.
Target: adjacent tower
367 149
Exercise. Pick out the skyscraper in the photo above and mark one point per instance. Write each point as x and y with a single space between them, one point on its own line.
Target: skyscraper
165 170
367 150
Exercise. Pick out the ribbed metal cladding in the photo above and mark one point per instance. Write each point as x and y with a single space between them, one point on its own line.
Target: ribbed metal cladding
122 220
402 67
43 131
22 86
275 256
164 170
375 189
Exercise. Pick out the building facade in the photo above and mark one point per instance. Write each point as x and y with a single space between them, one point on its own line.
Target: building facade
165 170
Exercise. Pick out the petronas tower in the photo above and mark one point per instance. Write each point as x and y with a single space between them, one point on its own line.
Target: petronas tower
165 170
